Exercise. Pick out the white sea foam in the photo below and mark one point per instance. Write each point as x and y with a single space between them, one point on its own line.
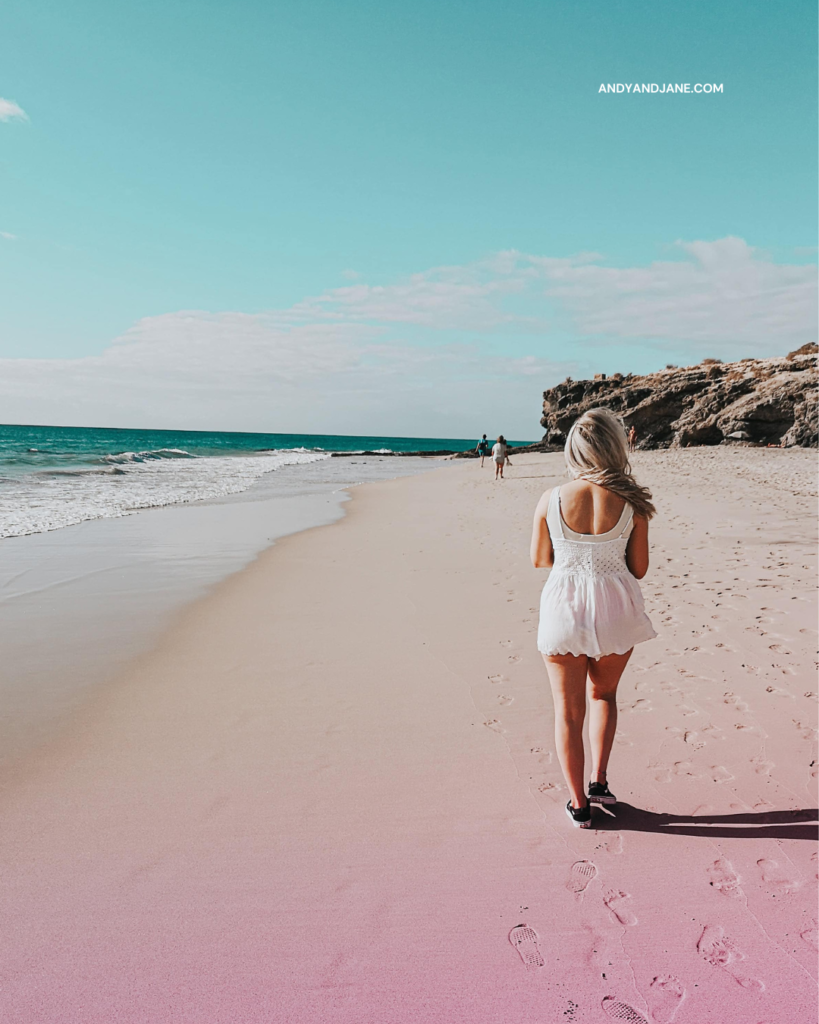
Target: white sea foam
51 499
149 456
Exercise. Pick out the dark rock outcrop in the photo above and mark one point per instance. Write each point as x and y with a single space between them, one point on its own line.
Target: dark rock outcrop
753 401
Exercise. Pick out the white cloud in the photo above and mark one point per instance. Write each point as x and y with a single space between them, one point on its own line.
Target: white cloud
239 371
725 294
722 292
391 359
9 111
8 236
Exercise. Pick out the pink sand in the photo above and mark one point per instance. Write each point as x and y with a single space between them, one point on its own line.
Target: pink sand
330 793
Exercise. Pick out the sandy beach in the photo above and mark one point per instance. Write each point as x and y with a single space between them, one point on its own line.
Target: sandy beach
329 793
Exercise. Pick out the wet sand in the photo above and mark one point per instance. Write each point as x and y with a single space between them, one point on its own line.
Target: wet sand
78 604
331 794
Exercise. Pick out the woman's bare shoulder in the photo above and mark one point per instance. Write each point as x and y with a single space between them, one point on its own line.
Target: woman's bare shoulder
573 488
543 503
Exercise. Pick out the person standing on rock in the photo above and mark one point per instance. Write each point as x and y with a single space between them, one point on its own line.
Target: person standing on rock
593 533
482 448
500 456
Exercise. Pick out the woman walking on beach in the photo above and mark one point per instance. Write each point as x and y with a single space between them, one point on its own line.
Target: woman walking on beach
500 456
593 531
482 448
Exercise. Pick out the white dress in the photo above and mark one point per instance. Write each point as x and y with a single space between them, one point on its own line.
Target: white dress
591 603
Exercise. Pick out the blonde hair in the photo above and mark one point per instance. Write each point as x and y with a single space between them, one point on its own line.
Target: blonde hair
597 450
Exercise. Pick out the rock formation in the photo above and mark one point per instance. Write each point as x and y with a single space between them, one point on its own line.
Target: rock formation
753 401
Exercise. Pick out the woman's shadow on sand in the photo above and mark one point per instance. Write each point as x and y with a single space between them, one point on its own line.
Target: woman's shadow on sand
799 824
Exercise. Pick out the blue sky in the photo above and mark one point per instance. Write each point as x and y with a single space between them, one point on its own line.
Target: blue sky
243 161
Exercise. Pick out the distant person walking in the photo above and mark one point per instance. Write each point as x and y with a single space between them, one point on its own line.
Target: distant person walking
482 448
632 438
593 532
500 456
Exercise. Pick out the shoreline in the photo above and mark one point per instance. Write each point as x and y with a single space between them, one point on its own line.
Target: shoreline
79 603
330 792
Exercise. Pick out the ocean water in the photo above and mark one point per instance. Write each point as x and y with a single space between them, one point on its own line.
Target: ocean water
53 477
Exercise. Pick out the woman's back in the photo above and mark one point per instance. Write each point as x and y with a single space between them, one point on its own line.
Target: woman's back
588 508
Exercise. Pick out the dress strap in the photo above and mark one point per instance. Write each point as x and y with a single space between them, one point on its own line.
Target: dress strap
629 518
558 515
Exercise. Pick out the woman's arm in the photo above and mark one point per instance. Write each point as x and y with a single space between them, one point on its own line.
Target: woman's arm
541 551
637 549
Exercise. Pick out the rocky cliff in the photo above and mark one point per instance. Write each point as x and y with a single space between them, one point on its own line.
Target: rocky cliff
753 401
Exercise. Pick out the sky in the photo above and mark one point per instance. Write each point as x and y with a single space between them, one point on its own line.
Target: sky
393 218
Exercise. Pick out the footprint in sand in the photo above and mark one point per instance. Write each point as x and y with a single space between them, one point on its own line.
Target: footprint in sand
503 699
720 774
719 951
549 787
611 842
807 732
641 705
615 902
723 878
665 994
582 872
779 649
493 724
524 939
514 659
811 935
714 948
506 643
497 679
761 766
778 692
693 740
775 877
622 1011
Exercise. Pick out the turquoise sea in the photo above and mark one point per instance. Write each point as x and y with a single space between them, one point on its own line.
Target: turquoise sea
52 477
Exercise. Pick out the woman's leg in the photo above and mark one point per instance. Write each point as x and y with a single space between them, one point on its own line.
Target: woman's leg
604 675
567 676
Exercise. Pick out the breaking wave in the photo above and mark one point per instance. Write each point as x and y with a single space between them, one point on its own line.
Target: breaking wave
127 482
